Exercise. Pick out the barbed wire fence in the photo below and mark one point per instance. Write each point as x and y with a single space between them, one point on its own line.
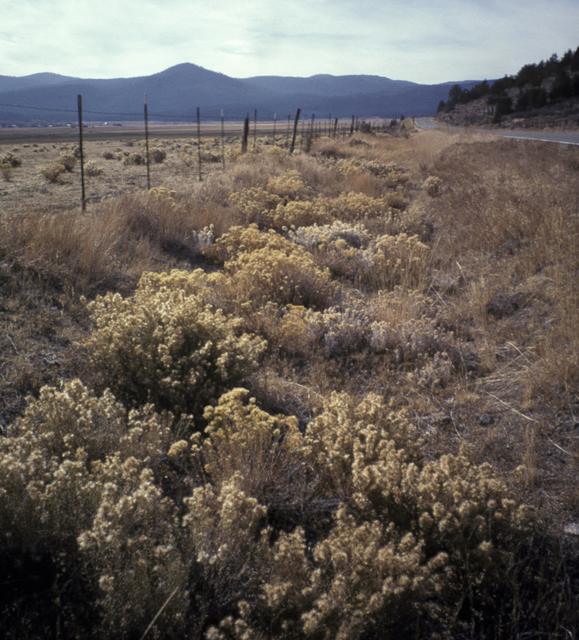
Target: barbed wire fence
331 128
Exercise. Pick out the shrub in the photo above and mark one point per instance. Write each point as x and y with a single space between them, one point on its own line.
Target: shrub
315 237
68 161
132 549
224 527
134 159
336 333
352 207
73 493
93 169
433 186
289 185
398 260
298 213
53 172
392 174
337 246
272 275
293 329
364 581
255 204
240 240
166 346
47 495
10 160
409 538
264 450
349 436
158 156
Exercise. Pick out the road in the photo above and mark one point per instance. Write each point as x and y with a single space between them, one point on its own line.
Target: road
558 137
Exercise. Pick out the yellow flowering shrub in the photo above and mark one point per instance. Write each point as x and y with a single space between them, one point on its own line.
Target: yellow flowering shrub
366 580
289 185
264 450
353 207
259 205
255 204
349 436
166 346
399 260
295 330
298 213
249 238
45 485
209 286
298 331
390 172
131 547
433 186
345 531
71 490
225 535
273 275
317 236
72 418
408 538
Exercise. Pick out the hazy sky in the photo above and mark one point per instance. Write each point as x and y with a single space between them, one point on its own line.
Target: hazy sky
421 40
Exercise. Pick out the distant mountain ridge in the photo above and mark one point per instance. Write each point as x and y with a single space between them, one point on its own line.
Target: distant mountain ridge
175 93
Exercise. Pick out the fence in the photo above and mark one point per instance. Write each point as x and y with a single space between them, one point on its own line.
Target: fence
300 133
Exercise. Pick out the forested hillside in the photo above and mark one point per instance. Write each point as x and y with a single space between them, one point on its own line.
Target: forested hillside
536 86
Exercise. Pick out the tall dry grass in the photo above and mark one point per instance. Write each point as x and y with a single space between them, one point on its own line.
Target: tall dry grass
512 236
112 245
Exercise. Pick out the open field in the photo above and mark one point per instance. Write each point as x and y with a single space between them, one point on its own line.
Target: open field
131 130
328 395
112 151
117 173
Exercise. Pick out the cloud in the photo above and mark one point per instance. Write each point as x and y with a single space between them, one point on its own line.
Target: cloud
420 40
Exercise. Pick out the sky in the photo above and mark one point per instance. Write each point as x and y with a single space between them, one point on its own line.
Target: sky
425 41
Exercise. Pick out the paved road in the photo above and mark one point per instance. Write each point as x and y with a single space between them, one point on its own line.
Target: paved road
559 137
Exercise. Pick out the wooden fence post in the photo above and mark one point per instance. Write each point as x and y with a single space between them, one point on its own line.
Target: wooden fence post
81 148
295 132
245 135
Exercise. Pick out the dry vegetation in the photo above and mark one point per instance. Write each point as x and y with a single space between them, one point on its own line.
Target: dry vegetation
332 395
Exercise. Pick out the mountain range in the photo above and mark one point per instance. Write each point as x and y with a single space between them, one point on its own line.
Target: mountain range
173 95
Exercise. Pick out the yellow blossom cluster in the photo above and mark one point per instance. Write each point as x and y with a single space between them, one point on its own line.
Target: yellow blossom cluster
289 185
390 172
255 204
274 275
399 260
408 537
239 240
242 438
335 530
165 345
